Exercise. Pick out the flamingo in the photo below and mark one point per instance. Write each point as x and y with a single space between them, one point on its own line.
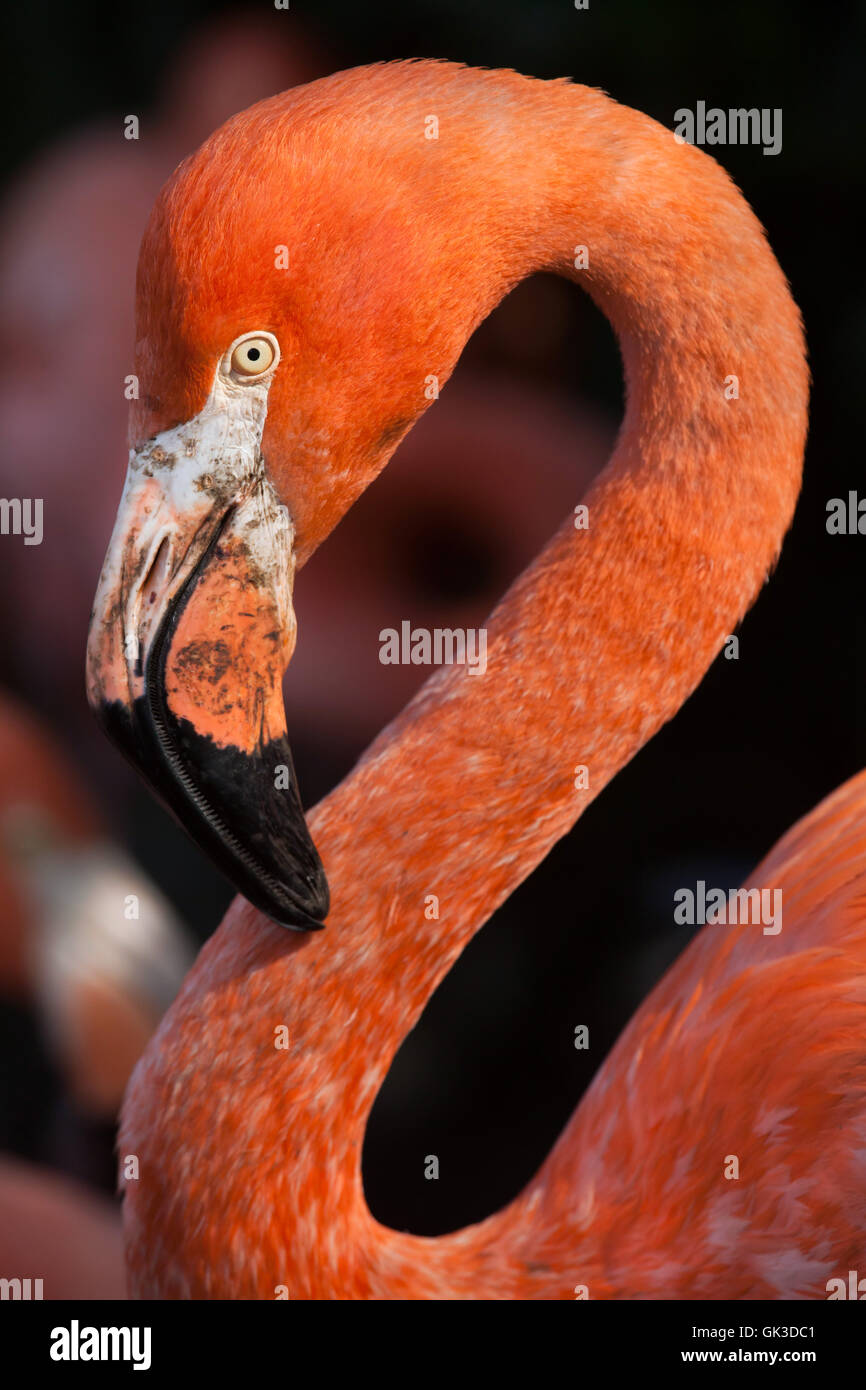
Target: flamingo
95 949
302 276
83 932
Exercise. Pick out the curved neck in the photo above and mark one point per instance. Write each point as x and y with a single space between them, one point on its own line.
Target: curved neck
601 640
594 647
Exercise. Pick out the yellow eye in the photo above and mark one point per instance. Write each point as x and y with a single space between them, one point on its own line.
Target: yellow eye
253 356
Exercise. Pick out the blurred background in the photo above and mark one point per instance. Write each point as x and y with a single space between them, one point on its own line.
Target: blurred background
491 1074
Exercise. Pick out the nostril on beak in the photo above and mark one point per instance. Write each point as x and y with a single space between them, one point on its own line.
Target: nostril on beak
157 574
147 594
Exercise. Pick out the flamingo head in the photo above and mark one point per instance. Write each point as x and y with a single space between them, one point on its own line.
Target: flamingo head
289 327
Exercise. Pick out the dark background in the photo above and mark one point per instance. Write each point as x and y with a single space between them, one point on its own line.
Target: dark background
490 1076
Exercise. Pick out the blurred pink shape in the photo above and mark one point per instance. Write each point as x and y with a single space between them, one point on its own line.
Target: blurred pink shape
53 1229
480 484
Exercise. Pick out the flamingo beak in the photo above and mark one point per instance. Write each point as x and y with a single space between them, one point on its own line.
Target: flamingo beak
191 632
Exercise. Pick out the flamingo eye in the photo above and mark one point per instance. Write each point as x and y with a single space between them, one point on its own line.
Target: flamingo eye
251 357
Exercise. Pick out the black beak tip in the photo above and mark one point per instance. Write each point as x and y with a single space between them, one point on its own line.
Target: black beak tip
278 916
302 915
247 820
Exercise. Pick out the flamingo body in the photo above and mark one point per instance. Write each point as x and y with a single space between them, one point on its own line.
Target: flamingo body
250 1154
751 1045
